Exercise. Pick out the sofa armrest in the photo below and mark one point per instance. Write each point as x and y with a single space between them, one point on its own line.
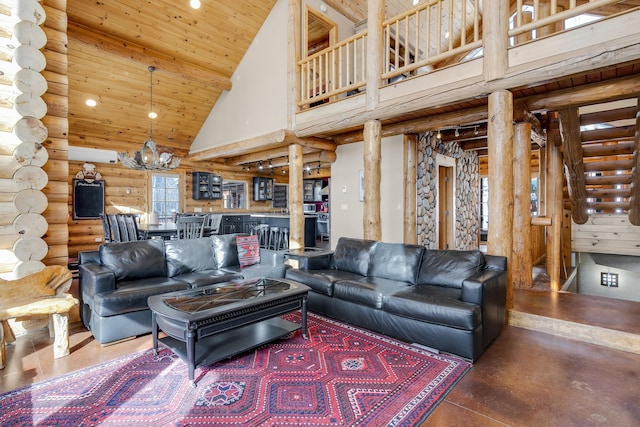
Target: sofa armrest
488 289
305 259
94 279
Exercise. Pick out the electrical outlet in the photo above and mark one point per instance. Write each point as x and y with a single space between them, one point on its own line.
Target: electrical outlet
609 279
98 239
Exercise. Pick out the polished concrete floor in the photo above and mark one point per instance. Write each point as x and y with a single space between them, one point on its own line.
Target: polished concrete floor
525 377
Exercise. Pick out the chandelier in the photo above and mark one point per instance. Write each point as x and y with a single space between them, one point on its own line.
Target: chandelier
148 157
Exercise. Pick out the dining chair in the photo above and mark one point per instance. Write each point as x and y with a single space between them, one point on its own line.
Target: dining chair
213 223
131 226
122 227
115 229
106 228
190 227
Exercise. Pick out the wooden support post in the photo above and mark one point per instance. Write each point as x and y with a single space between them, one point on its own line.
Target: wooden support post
527 17
495 27
500 148
634 209
296 214
372 173
522 258
293 53
554 201
410 182
375 16
574 171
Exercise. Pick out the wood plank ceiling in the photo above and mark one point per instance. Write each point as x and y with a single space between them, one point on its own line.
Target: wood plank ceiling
195 52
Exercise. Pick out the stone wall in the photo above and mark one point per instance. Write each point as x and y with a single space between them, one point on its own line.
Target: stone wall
466 198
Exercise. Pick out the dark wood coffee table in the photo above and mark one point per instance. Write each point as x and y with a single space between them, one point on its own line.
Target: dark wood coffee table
215 322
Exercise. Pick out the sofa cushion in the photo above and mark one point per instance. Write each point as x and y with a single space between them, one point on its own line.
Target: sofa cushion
320 281
187 255
353 255
369 291
198 279
259 271
140 259
132 295
434 304
225 249
396 261
449 267
248 250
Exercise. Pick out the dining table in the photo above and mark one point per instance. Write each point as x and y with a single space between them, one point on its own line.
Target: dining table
165 231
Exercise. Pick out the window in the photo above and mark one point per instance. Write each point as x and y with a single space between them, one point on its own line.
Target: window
233 194
165 195
484 208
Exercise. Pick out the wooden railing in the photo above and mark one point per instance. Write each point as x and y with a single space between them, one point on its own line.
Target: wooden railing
334 70
440 32
430 32
543 14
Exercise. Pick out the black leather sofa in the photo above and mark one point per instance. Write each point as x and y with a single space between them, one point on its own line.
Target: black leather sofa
452 301
116 280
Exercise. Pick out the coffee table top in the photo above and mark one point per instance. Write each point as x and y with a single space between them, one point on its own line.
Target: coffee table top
220 298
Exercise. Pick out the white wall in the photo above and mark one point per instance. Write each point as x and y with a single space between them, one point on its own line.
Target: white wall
257 103
346 207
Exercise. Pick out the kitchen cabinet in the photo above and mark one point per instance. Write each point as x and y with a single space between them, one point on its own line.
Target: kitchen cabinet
262 188
312 189
207 186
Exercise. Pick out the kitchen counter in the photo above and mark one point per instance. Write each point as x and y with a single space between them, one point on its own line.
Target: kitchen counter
237 222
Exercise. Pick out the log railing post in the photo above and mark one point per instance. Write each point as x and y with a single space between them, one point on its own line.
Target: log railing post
372 173
495 28
500 155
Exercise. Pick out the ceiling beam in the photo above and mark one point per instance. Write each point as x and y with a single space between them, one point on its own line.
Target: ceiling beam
424 124
634 210
140 55
573 162
608 116
607 90
609 134
609 180
602 150
609 165
268 141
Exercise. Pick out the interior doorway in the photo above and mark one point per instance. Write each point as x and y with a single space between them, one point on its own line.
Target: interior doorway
446 202
320 32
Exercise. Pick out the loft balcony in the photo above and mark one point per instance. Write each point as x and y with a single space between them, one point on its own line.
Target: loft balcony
438 57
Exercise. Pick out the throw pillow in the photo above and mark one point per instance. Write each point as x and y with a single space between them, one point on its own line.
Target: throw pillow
248 250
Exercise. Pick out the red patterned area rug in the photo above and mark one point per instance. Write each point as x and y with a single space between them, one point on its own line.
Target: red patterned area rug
340 376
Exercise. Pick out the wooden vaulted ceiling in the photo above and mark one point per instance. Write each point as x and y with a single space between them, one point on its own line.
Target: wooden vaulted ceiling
112 44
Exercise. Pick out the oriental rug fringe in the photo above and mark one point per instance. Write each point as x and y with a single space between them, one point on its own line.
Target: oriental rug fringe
340 376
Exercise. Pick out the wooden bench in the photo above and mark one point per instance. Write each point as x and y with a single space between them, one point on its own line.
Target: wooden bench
43 292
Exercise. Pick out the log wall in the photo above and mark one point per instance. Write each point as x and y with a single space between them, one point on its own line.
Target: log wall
127 191
467 226
34 137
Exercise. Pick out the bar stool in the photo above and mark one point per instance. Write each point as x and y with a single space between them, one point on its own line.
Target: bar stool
283 241
274 238
262 231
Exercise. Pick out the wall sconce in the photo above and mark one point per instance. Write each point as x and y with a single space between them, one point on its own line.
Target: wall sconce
439 135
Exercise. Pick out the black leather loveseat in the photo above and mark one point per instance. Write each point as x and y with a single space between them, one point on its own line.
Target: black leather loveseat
453 301
116 280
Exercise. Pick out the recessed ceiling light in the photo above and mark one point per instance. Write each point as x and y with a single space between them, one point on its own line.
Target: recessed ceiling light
195 4
153 115
91 102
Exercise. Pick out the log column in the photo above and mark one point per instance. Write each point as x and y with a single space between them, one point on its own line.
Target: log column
554 201
634 209
372 172
500 157
410 183
296 213
522 257
375 16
